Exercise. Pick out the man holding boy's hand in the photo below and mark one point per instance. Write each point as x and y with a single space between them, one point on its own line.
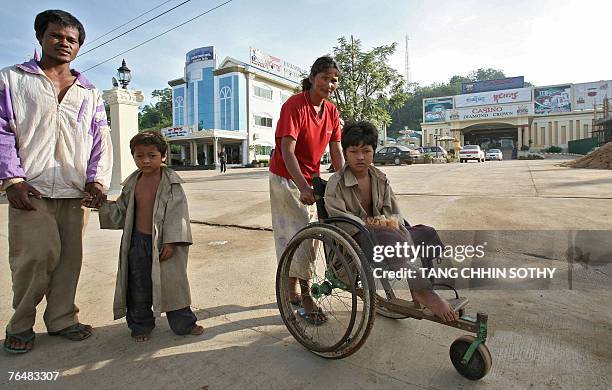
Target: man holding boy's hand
54 146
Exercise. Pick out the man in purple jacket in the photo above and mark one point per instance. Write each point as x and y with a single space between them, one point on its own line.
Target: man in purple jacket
54 146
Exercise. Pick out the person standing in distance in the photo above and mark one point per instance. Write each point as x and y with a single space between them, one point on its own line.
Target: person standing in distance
222 161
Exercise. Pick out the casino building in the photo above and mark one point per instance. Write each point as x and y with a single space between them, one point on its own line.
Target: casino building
505 114
233 106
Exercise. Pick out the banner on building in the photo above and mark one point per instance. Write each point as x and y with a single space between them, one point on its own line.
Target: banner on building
434 109
173 132
550 100
201 54
493 85
493 97
276 65
497 111
588 94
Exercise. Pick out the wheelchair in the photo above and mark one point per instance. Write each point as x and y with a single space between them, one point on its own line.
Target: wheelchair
342 285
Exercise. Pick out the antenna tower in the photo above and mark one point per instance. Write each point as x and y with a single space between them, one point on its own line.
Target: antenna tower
409 84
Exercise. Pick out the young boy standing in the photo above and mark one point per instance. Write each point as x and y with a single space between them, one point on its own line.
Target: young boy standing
359 190
152 211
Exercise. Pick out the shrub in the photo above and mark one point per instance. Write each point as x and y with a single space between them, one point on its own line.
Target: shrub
553 149
427 159
531 157
524 148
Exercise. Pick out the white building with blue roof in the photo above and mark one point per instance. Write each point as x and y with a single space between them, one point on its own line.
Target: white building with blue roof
233 107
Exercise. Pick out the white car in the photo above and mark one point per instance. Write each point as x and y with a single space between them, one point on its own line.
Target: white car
494 154
471 152
434 151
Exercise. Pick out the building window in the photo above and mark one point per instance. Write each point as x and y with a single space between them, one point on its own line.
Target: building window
179 103
263 92
225 95
284 97
261 150
563 134
263 121
550 135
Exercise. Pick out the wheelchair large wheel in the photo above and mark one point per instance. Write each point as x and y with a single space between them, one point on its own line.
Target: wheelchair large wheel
341 285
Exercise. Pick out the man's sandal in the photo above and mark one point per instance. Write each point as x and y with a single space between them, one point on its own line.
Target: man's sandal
26 338
76 332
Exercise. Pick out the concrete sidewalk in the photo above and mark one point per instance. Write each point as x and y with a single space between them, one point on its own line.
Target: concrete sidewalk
539 339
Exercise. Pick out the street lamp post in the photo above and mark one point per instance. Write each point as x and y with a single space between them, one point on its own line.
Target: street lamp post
436 136
124 75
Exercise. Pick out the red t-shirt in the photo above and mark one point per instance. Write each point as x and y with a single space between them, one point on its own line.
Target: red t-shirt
312 134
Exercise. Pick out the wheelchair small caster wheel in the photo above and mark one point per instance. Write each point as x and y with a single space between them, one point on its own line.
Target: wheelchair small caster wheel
479 364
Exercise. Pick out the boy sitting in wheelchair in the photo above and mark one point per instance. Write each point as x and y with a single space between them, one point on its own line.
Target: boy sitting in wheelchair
361 192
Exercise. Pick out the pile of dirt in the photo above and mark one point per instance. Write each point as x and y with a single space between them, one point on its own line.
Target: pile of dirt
598 159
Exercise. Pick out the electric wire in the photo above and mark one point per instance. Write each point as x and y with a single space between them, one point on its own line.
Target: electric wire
134 28
128 22
159 35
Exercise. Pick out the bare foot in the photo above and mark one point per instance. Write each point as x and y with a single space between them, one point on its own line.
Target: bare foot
294 293
438 306
142 337
312 310
197 330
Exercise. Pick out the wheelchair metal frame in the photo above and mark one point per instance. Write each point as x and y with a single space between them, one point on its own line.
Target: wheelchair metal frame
469 354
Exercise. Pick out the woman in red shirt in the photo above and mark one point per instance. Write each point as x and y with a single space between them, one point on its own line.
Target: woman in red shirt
308 123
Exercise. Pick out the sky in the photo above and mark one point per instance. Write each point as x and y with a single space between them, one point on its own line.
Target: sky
548 42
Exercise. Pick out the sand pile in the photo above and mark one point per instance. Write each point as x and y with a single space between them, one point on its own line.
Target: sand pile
598 159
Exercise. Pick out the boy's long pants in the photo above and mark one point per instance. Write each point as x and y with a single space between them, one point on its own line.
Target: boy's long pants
45 256
140 316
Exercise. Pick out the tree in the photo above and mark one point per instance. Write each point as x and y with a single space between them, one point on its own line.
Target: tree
370 88
486 74
165 101
159 114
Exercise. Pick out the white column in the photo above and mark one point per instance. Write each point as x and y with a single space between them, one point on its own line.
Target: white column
193 150
245 152
124 105
216 152
249 80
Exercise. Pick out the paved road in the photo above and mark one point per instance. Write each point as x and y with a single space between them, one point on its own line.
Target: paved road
554 338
